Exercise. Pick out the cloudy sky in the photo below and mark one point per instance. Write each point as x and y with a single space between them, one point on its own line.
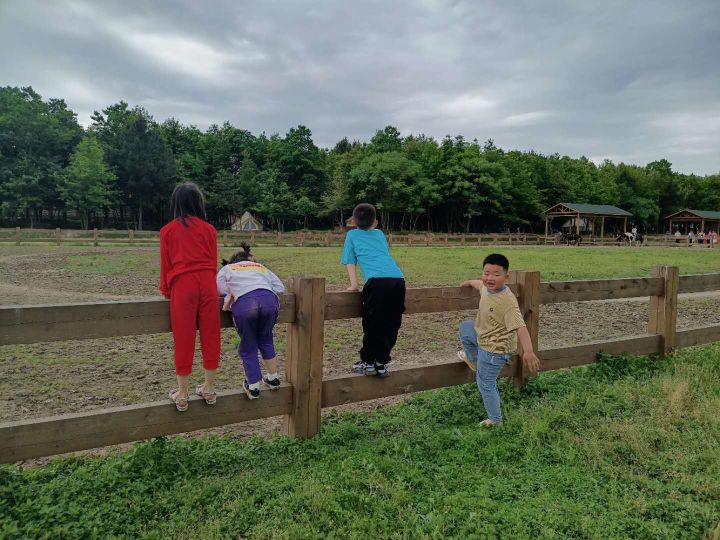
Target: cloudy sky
629 81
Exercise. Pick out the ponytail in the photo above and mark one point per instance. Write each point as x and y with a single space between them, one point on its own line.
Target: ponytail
242 255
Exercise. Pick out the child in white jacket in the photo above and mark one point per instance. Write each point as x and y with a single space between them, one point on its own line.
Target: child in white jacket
251 293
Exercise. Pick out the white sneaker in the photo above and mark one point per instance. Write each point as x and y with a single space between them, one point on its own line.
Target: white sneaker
462 356
487 423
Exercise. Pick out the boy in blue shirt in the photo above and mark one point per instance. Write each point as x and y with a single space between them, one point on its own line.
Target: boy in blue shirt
383 294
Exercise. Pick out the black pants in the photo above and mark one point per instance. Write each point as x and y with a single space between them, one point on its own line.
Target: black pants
383 306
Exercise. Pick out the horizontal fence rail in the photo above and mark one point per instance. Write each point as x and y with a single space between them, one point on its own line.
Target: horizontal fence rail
305 308
335 238
227 238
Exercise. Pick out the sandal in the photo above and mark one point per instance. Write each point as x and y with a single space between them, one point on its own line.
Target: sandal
181 403
209 397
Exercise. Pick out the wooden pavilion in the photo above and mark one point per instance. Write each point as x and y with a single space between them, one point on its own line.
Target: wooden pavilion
695 217
589 212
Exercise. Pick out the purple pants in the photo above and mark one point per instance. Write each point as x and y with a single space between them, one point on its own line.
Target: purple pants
255 315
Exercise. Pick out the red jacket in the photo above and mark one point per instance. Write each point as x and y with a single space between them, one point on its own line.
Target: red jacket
186 249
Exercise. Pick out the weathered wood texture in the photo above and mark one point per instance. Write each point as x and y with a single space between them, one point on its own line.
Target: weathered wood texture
70 432
529 303
348 305
697 336
699 283
556 292
304 358
663 307
44 323
579 355
354 388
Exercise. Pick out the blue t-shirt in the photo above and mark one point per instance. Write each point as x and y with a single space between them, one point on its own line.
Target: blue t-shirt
370 250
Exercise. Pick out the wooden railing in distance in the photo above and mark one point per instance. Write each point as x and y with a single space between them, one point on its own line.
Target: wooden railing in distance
305 308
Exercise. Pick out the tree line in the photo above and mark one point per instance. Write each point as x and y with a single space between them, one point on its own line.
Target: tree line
121 170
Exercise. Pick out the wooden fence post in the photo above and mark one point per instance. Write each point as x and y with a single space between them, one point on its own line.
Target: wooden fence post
663 309
390 239
95 237
529 301
304 358
131 236
17 236
225 238
57 236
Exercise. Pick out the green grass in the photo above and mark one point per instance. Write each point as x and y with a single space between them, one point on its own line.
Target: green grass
113 263
439 266
627 448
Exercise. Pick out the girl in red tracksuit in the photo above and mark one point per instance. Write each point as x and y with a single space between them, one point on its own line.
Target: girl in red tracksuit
188 262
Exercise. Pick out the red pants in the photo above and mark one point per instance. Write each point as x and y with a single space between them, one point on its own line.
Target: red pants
194 304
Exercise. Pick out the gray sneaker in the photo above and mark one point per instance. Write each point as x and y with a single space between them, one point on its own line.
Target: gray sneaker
381 370
363 369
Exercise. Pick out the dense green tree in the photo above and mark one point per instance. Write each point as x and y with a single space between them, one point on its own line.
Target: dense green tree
186 145
386 179
415 181
36 140
87 184
386 140
277 201
138 155
473 186
338 199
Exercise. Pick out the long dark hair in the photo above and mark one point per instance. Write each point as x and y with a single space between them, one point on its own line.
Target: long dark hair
242 255
187 201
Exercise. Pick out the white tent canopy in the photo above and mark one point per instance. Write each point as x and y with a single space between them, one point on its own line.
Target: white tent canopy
246 222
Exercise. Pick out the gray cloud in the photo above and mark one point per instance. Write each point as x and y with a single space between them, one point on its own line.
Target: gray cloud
630 82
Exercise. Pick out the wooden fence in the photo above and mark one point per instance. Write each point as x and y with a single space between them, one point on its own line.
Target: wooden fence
305 308
655 240
131 237
97 237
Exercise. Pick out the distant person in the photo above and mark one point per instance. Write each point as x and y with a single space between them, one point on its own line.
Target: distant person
188 262
490 341
691 237
677 236
383 295
701 237
251 294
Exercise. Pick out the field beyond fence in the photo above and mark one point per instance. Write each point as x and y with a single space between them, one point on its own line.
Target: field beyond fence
97 237
305 308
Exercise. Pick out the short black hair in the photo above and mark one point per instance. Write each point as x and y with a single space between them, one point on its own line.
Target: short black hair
187 200
364 215
242 255
498 260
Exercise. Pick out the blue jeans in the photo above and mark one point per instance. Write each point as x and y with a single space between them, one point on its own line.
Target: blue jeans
488 366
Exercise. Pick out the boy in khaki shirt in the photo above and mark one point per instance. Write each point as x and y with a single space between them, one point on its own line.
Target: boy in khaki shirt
491 339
